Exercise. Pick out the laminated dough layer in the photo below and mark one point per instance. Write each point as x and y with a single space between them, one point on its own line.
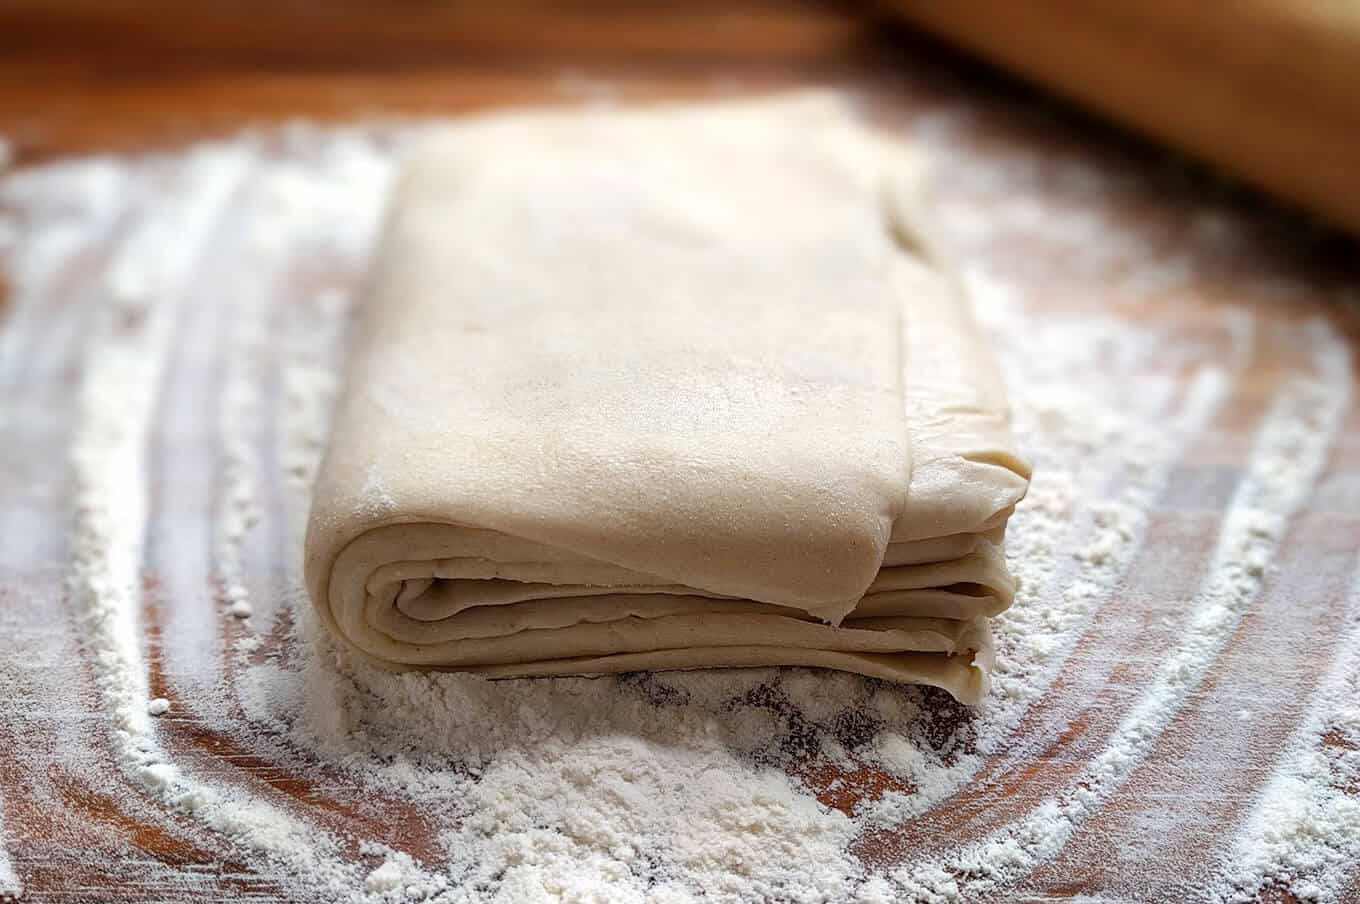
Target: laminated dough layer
669 388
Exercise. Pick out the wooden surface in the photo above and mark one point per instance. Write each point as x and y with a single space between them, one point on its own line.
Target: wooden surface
79 77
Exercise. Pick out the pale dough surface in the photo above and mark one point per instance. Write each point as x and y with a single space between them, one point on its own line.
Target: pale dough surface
667 388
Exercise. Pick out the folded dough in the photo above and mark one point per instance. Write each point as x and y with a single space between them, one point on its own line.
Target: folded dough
667 388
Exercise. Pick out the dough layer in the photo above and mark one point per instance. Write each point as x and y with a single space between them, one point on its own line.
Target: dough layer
670 388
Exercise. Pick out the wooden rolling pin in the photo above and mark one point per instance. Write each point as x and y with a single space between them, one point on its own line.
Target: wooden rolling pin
1267 89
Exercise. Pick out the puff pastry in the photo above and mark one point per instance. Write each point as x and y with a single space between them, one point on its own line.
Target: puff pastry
666 388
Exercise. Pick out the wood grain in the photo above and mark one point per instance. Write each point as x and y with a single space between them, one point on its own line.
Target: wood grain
80 76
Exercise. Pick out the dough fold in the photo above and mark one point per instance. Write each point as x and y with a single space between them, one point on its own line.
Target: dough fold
669 388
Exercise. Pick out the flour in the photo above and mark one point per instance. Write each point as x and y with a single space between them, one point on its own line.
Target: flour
747 785
10 886
1289 458
127 351
1305 832
237 510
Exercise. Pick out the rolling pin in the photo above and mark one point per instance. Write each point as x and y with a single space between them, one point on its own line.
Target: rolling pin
1269 90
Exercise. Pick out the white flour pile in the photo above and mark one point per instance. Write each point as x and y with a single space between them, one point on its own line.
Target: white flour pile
213 324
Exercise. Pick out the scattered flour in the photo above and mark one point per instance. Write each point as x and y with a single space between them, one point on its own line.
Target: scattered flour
238 510
751 785
123 369
1305 831
10 886
1291 451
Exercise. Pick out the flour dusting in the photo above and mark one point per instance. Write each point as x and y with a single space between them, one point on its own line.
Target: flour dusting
328 779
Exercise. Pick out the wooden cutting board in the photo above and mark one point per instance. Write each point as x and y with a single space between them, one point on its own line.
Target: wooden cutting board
1091 226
